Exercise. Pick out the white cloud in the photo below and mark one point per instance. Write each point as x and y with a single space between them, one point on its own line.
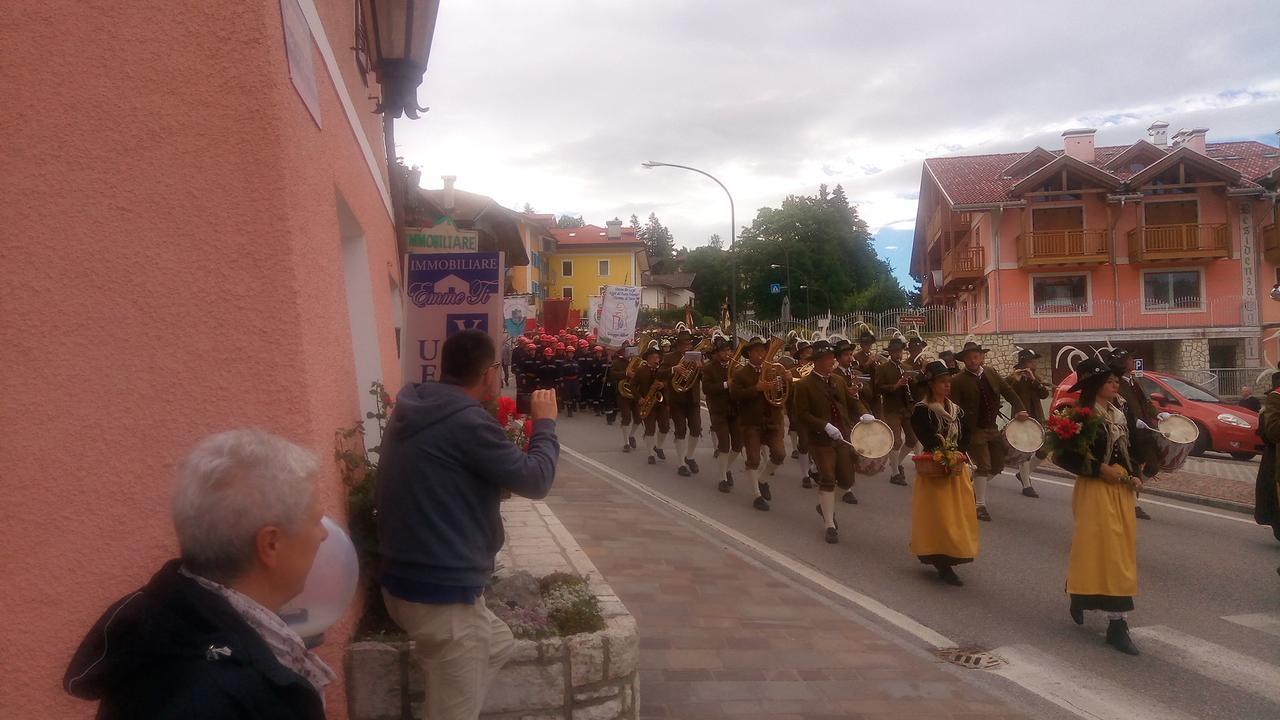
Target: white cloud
558 103
890 247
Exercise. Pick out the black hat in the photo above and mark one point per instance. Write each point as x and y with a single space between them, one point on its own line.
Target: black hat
753 342
864 333
1025 354
914 340
843 345
1115 358
972 346
948 353
936 369
720 342
651 350
822 347
897 342
1091 372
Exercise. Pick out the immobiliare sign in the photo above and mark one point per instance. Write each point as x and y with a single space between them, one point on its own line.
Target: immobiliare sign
444 236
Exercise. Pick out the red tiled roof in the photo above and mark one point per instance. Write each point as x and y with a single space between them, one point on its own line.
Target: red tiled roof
594 235
979 179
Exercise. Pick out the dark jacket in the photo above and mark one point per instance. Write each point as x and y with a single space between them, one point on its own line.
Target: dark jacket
150 656
894 400
931 429
715 378
1078 464
1030 391
815 398
444 464
1266 509
966 394
753 410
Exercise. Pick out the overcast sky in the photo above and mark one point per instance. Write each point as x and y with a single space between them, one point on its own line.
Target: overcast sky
556 103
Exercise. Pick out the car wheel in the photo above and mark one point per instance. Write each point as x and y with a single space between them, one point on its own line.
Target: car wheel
1203 442
1245 456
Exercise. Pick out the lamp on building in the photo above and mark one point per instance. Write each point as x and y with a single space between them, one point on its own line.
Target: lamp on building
400 40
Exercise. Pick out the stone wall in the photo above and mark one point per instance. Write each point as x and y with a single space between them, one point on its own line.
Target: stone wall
1193 354
592 676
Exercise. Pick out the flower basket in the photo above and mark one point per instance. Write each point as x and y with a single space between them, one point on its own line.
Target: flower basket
927 467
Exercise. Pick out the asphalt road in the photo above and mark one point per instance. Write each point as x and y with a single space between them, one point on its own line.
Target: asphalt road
1208 610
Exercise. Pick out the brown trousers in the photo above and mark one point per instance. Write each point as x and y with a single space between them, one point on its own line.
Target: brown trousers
835 466
627 410
687 417
728 433
659 417
755 437
986 450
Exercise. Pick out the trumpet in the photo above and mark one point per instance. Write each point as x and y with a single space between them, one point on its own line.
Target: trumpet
624 387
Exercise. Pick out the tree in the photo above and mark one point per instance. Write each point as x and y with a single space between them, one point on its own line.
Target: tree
658 242
716 242
528 209
710 265
827 246
570 221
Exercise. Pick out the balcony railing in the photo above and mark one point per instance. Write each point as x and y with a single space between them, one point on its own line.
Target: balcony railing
1271 243
1179 242
962 265
944 220
1062 247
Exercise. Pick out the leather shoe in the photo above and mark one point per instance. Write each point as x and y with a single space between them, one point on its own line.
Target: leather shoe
651 460
728 477
764 491
1077 616
631 441
983 515
683 471
806 483
760 504
833 536
725 486
897 480
659 452
1139 513
692 465
1118 637
1030 492
949 576
849 497
626 447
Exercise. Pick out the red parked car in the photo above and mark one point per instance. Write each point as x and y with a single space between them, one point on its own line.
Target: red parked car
1224 427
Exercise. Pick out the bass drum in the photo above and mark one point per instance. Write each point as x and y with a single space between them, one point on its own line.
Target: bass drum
1174 440
872 445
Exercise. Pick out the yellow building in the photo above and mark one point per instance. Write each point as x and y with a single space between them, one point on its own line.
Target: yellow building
585 259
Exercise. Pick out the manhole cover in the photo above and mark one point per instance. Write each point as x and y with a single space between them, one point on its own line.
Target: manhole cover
970 657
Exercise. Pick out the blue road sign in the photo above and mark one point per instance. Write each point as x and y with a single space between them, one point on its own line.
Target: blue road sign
776 288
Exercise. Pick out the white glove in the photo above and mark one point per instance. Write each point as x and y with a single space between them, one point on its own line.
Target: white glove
833 432
1142 426
1163 416
867 418
726 384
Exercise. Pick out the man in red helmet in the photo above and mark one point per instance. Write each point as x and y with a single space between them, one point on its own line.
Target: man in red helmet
548 371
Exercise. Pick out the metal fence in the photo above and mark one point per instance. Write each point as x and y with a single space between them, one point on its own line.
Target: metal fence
1228 381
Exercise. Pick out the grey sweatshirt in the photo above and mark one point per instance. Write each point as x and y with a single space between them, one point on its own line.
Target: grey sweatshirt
444 463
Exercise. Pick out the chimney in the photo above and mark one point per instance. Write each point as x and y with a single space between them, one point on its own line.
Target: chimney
1195 139
614 229
1158 133
1078 143
448 190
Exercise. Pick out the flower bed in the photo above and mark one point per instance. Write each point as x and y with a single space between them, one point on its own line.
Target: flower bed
546 587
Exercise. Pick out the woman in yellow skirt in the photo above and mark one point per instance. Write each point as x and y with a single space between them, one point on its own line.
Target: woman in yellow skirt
1102 572
944 529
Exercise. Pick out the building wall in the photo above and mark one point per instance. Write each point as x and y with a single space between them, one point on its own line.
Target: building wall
177 269
586 280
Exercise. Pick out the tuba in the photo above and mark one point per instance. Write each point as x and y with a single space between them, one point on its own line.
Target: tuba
652 398
684 375
777 375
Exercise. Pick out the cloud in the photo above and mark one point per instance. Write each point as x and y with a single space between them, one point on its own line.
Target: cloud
557 103
890 247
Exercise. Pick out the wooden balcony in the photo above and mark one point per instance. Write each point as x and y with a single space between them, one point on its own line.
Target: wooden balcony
962 266
1063 247
944 220
1271 243
1156 243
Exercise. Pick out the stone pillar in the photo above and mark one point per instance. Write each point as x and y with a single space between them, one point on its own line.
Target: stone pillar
1193 354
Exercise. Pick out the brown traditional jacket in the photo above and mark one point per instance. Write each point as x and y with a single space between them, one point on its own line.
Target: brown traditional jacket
644 380
1030 392
893 400
618 373
669 361
714 377
753 409
814 400
1137 400
965 393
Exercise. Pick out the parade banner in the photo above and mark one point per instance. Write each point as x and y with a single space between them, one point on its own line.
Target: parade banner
620 306
447 293
593 314
555 314
516 311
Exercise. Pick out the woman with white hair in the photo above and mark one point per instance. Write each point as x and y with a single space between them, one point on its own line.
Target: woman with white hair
202 639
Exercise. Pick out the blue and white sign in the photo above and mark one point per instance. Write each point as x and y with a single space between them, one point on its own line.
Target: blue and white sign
447 293
775 288
1137 367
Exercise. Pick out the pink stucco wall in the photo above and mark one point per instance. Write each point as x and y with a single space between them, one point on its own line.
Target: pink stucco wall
171 267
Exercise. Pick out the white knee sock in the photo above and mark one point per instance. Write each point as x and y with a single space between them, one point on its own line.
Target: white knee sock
1035 462
753 479
807 460
903 453
773 470
827 501
1117 616
626 432
733 458
634 428
1025 474
725 460
662 441
690 443
980 490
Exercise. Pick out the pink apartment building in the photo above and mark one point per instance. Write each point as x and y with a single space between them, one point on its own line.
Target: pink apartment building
1167 245
198 236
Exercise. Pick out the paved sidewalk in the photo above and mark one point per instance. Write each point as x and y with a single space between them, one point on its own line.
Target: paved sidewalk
721 637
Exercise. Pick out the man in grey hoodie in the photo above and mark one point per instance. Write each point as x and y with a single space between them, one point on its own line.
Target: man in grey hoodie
444 464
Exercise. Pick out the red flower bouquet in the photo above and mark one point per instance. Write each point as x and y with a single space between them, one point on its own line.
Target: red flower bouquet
517 427
1072 430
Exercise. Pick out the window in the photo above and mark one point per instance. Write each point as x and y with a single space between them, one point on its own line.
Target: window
533 260
537 290
603 270
1194 393
566 293
1171 290
363 64
986 301
1149 386
1060 294
566 268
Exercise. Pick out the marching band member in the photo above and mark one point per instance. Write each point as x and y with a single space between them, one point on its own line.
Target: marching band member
1136 403
796 430
824 406
893 383
847 370
760 422
978 393
720 406
647 375
944 529
685 407
628 414
948 358
866 361
1031 391
1102 571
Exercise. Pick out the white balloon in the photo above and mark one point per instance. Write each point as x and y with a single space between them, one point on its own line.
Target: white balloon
330 585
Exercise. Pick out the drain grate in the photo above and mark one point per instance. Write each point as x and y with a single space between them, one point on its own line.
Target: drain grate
973 658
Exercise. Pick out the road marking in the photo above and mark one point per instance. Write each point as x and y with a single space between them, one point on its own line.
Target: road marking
1149 501
1211 660
1081 693
826 582
1268 623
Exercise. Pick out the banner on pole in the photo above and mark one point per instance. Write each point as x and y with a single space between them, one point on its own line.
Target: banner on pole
516 311
447 293
620 306
593 314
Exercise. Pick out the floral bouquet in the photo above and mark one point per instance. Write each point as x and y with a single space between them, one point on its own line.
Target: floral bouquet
517 427
945 461
1072 431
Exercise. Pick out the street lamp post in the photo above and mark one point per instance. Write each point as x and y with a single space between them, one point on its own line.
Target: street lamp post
733 234
787 267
